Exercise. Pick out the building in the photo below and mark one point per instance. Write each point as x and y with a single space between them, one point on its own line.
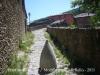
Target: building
12 25
82 19
67 17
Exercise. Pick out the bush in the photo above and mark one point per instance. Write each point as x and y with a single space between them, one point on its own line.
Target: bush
72 26
93 21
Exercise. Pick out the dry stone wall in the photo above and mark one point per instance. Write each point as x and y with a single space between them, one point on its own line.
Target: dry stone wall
12 25
84 43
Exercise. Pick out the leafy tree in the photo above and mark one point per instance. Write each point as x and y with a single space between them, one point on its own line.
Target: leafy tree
76 11
89 5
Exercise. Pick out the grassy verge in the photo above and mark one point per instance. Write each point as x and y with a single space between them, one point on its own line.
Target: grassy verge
56 49
25 42
17 63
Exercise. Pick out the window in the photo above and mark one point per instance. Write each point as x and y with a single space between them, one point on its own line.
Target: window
62 16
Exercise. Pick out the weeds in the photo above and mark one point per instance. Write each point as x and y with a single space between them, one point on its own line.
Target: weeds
17 64
72 26
25 42
16 72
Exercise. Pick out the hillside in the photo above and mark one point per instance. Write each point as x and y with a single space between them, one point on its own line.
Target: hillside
77 11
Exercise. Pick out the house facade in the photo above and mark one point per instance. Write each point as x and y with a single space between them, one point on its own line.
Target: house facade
67 17
82 19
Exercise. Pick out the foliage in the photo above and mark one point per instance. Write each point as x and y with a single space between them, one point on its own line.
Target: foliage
16 73
93 21
72 26
76 11
57 50
16 64
76 3
89 5
26 41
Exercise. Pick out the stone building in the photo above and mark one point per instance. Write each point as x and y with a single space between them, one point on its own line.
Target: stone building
12 25
83 19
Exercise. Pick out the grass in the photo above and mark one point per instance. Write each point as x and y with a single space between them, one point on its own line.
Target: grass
16 72
62 67
25 42
17 64
56 49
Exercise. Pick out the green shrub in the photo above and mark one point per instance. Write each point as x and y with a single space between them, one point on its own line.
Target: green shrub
72 26
93 21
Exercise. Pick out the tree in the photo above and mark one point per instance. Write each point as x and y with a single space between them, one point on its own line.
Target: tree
89 5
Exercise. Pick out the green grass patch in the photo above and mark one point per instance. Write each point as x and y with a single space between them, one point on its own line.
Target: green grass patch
16 62
16 72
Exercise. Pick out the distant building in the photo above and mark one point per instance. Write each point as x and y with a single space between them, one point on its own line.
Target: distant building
82 19
44 21
67 17
59 23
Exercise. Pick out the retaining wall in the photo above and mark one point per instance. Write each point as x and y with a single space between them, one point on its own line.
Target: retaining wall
84 43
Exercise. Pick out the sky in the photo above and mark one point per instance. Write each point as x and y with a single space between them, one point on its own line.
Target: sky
43 8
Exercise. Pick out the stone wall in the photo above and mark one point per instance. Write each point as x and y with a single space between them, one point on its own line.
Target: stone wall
12 25
84 43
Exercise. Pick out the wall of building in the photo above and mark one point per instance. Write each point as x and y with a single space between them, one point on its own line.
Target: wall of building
84 43
12 25
82 20
67 17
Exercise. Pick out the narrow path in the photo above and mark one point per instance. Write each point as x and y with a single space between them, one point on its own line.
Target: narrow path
36 48
34 57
